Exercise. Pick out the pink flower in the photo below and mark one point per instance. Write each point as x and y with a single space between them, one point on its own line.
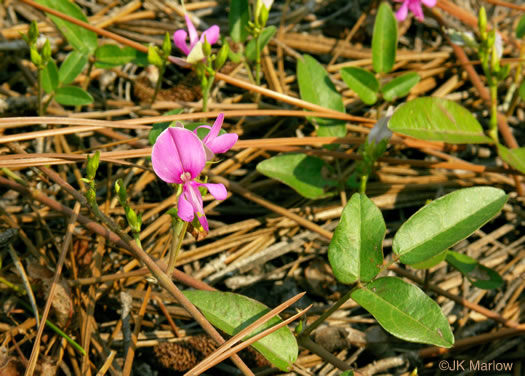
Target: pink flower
179 38
179 157
414 6
213 143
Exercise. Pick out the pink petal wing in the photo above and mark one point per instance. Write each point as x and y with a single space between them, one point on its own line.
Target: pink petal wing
222 143
415 7
179 38
402 12
216 190
165 158
192 193
184 209
429 3
194 37
214 131
212 34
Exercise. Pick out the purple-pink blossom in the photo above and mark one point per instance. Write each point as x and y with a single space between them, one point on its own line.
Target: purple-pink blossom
213 143
414 6
179 157
180 36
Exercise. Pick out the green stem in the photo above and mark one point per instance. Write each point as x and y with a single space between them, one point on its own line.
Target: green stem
179 228
362 187
159 82
206 93
306 332
39 88
258 59
493 129
136 236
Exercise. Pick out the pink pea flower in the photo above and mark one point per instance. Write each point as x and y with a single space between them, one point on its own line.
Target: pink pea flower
179 157
213 143
414 6
194 49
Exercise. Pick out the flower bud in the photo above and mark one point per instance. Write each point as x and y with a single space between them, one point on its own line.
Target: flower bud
222 56
46 53
154 56
482 23
32 34
120 190
92 165
35 56
166 45
206 47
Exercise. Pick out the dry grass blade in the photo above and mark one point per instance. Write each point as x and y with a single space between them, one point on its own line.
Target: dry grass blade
67 241
208 363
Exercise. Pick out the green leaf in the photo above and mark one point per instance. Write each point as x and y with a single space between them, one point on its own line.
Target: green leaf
316 87
301 172
239 17
520 29
405 311
50 77
384 39
400 86
431 262
72 66
514 157
445 221
158 128
479 275
265 37
81 39
73 96
233 312
362 82
111 55
356 251
437 119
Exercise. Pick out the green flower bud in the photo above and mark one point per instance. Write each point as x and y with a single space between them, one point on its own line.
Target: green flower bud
134 221
120 190
46 53
166 45
92 165
263 17
206 47
35 56
33 32
154 56
222 56
482 23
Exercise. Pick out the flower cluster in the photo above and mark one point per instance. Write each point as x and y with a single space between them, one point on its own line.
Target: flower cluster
179 156
194 50
414 6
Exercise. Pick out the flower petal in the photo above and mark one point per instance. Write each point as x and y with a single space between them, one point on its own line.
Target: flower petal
212 34
415 7
196 54
222 143
165 158
194 37
193 195
214 131
179 38
402 12
177 150
184 209
429 3
216 190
